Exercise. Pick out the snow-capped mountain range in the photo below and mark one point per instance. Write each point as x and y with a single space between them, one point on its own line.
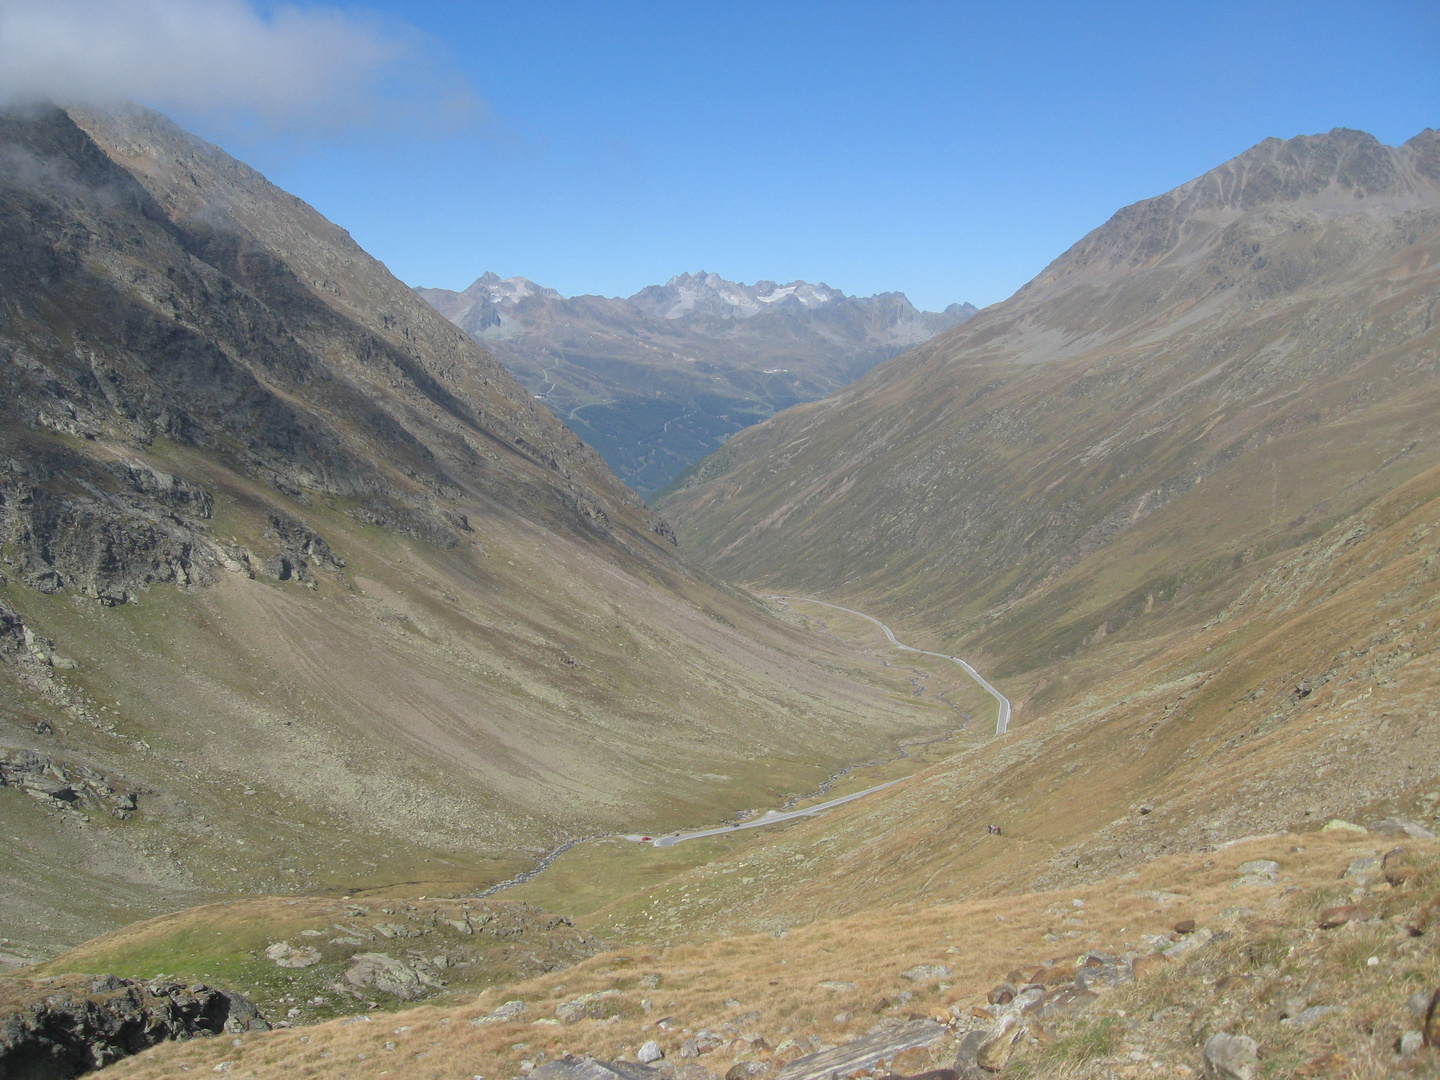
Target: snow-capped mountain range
657 380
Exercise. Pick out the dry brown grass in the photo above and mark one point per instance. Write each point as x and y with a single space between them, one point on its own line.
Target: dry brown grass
1209 727
770 985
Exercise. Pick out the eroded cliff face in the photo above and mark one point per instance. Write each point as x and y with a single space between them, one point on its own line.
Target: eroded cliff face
1213 376
314 575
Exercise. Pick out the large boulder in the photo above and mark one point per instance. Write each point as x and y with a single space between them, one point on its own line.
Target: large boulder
588 1068
863 1053
1231 1057
407 981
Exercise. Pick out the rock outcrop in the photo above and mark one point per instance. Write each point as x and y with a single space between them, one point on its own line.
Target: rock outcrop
140 308
67 786
54 1029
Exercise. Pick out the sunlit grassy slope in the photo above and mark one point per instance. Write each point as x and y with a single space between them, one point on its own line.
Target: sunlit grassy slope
1214 376
833 979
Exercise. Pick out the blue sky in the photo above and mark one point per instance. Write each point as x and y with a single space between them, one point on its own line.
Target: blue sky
948 150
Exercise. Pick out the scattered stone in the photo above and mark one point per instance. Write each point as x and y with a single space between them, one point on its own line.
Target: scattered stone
928 973
1306 1017
1410 1043
1067 999
587 1068
1256 873
1029 999
1001 995
650 982
1431 1028
649 1052
286 955
1362 867
994 1052
1394 826
863 1053
1099 970
1337 825
747 1070
1191 943
1162 897
509 1011
966 1067
837 985
587 1005
1332 917
1231 1057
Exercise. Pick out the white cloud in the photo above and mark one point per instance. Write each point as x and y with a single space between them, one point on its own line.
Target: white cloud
289 68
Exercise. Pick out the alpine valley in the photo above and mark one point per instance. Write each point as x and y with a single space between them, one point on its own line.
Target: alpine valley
340 673
658 381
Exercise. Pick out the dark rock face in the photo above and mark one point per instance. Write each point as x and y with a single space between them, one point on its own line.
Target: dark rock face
153 289
73 1025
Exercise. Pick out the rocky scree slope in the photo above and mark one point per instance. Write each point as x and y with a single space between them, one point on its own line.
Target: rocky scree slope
288 558
1213 376
657 381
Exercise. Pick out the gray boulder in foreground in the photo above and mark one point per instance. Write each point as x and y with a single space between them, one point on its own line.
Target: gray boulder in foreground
862 1053
587 1068
1231 1057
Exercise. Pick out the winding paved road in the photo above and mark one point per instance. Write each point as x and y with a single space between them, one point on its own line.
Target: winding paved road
1002 719
774 817
770 817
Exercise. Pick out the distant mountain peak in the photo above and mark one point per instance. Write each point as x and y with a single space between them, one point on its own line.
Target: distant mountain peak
710 294
506 292
1342 171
